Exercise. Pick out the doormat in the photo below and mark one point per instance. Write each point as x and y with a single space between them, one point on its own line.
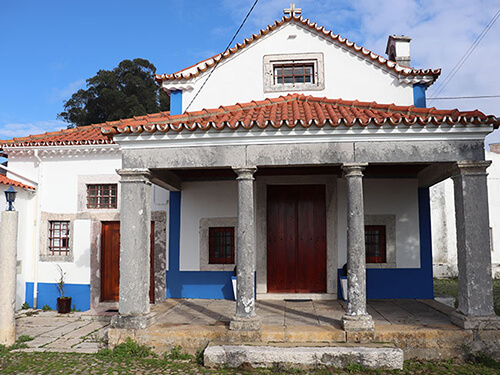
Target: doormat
298 300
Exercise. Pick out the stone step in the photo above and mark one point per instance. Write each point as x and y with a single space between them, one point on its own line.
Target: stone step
237 356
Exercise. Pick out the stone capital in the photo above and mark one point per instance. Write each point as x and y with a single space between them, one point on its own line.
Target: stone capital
354 169
135 175
471 168
245 173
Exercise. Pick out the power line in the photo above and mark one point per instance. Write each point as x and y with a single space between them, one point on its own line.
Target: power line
227 48
467 97
464 58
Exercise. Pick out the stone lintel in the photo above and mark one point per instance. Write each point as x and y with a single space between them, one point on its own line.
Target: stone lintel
357 323
133 321
167 180
491 322
239 323
135 175
434 174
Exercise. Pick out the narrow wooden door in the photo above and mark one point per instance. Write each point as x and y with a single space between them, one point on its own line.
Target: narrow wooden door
110 262
296 239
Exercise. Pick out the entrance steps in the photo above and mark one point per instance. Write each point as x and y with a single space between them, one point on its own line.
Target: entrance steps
303 356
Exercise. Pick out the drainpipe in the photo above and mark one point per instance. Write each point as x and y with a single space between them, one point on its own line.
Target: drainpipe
38 226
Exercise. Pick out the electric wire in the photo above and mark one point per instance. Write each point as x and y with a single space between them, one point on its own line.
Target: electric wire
467 97
464 58
225 50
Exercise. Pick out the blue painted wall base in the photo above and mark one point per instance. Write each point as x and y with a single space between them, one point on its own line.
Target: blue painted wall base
48 294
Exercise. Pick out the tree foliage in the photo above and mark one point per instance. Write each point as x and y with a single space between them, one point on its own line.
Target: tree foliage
128 90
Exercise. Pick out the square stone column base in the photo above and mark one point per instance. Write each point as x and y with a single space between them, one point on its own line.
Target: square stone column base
133 321
245 324
355 323
475 322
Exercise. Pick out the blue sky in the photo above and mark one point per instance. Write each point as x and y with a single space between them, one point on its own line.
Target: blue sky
49 48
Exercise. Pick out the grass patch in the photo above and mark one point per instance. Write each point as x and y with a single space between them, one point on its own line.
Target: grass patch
73 363
450 287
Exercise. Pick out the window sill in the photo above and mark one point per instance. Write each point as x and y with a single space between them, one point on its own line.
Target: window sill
380 265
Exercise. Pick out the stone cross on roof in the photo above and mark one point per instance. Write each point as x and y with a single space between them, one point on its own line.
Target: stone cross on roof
292 10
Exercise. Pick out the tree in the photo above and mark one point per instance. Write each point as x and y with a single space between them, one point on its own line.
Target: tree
128 90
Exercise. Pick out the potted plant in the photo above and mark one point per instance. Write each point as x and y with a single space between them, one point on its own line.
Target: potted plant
63 302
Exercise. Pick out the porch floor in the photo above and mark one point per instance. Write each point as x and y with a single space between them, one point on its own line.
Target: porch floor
290 313
422 328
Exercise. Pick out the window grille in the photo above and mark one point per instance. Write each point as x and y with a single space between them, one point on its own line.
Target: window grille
221 245
102 196
59 237
375 244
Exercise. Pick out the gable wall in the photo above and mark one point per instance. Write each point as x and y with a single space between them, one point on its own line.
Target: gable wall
347 76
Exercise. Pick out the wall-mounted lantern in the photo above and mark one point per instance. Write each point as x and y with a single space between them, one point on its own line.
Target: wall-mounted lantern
10 197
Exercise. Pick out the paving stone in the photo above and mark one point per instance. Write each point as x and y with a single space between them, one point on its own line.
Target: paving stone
64 343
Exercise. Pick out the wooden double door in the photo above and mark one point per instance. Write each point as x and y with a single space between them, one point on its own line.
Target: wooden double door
296 239
110 262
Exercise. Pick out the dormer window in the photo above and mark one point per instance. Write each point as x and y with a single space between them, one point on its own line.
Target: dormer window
295 72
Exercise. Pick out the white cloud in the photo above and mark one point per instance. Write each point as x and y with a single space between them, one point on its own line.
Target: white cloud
441 32
65 92
9 131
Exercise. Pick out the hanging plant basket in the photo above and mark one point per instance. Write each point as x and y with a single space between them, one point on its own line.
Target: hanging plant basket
64 305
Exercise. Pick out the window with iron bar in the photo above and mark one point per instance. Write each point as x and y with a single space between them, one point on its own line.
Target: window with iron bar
375 244
102 196
293 73
59 237
221 245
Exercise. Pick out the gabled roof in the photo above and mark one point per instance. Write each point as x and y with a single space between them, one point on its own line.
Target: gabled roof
200 67
82 135
298 110
4 180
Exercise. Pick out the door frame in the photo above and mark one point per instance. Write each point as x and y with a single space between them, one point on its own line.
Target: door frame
160 220
330 183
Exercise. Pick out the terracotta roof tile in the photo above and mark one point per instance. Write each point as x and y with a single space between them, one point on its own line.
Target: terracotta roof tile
295 110
82 135
299 110
203 65
4 180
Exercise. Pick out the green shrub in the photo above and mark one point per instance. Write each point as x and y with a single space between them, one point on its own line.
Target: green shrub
46 308
25 306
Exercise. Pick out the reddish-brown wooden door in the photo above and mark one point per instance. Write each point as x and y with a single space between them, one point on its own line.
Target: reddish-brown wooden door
110 262
296 239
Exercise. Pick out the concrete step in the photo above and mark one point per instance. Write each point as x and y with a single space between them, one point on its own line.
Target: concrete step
237 356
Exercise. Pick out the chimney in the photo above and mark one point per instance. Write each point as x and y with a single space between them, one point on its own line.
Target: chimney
398 49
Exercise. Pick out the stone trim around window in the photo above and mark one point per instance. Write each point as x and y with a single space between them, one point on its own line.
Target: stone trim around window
300 58
205 224
104 179
389 221
45 254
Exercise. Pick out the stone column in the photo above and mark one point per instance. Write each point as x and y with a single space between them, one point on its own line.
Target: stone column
135 231
8 260
356 318
475 299
245 318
